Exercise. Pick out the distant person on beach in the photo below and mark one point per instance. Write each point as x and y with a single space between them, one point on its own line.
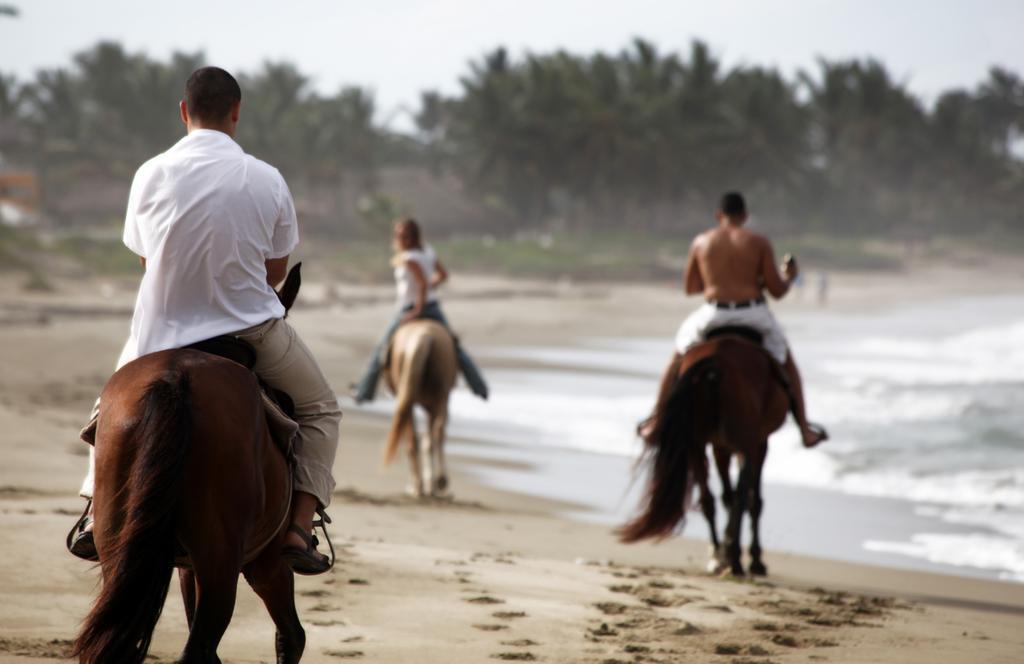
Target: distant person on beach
418 274
732 268
213 228
821 288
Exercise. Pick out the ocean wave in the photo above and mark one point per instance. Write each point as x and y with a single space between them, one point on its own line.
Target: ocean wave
1001 554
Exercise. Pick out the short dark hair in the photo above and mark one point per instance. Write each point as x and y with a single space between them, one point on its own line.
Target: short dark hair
732 204
210 93
414 230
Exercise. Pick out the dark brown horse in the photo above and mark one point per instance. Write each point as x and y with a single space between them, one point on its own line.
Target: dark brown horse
184 456
728 392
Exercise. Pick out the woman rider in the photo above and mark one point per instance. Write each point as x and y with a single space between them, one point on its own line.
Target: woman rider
417 274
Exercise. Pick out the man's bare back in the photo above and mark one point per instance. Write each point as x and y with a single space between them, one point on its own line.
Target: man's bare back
731 264
732 268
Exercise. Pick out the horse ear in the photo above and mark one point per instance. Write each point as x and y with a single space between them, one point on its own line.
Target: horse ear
290 290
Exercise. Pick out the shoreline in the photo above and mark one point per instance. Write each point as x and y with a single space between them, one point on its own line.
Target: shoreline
495 574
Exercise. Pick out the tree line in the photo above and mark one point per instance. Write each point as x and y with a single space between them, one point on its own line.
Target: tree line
637 139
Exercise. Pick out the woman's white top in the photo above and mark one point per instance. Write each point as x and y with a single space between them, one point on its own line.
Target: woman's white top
405 282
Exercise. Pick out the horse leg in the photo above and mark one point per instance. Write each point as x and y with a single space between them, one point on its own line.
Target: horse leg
722 458
274 582
439 486
216 574
732 529
415 487
187 580
757 566
707 503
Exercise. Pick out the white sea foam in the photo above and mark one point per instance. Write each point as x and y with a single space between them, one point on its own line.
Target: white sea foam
921 406
1001 554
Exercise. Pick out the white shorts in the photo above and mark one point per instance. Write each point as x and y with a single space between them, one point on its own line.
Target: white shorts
757 317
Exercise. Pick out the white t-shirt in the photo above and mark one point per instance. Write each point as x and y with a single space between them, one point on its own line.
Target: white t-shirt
205 216
405 283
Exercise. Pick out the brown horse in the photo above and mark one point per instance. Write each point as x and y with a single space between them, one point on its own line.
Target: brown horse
728 392
184 456
422 373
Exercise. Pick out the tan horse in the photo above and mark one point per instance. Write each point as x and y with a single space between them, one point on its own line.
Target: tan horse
422 373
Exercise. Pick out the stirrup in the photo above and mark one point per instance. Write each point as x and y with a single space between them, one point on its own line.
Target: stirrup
322 524
308 561
80 542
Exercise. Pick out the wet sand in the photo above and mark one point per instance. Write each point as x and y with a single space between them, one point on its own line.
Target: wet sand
492 575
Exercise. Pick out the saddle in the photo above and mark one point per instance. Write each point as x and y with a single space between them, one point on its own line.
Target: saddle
748 333
755 337
277 404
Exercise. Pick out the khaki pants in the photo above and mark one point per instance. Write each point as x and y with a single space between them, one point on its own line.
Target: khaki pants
285 362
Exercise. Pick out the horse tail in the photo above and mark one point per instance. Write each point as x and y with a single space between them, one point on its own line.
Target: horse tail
671 445
409 381
137 566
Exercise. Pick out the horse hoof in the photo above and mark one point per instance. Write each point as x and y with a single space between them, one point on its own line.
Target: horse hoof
442 485
716 567
414 491
758 569
733 572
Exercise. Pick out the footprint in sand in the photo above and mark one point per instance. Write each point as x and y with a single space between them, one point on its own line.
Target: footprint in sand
508 615
53 648
483 599
520 643
603 630
345 654
785 640
490 628
688 629
611 608
515 656
314 593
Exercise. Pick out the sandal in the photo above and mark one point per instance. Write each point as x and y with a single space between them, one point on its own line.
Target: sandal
80 541
307 561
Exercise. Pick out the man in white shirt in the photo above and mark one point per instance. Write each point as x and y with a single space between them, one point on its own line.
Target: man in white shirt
213 228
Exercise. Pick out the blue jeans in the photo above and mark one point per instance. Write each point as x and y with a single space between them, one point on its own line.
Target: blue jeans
367 387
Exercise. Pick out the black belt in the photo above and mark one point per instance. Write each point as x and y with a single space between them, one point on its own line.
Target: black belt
746 304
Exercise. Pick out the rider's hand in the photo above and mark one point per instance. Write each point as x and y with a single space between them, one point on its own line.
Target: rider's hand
789 267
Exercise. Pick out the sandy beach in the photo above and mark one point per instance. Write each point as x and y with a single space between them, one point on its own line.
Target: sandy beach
491 575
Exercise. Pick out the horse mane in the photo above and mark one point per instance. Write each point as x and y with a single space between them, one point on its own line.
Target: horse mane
670 447
139 561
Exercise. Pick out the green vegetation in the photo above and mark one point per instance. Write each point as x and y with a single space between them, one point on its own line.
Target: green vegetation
601 255
99 256
16 248
603 154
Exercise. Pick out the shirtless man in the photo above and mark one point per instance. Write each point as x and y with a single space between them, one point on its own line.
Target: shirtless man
733 267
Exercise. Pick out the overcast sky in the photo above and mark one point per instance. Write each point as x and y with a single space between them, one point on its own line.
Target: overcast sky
400 47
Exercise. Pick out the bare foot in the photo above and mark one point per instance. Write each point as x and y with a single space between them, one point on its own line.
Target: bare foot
292 538
814 434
